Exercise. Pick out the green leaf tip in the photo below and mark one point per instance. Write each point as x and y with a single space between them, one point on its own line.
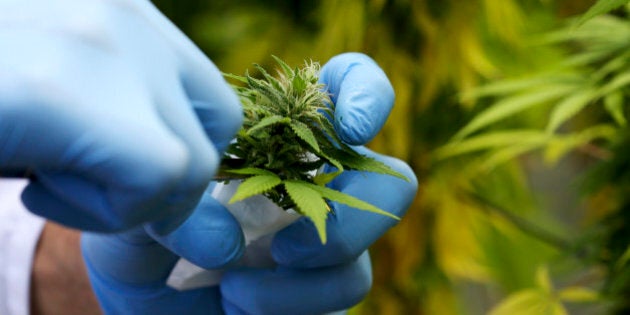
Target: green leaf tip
310 203
599 8
255 185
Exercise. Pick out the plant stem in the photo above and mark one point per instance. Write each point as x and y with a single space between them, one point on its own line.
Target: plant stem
522 224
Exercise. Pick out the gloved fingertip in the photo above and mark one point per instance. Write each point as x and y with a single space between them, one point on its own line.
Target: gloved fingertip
362 94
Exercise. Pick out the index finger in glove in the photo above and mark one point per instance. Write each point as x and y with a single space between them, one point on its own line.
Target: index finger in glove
362 94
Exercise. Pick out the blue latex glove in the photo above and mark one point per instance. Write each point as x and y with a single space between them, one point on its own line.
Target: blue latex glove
129 270
112 108
312 278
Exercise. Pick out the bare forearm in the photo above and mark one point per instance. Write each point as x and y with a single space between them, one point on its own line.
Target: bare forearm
59 282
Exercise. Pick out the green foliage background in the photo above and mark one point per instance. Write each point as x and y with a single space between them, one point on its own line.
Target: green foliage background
513 115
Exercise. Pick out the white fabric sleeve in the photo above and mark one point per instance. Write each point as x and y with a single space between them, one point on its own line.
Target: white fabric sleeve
19 234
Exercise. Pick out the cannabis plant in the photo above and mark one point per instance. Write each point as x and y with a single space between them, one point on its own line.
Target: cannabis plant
287 148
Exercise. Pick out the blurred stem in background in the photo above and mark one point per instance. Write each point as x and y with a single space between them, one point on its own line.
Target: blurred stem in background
494 112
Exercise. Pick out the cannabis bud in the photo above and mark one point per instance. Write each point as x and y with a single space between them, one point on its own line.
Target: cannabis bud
287 148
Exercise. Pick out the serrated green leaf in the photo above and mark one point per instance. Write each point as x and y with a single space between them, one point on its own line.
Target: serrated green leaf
325 178
337 196
268 121
578 295
601 7
235 77
270 79
367 164
251 171
569 107
298 84
275 97
332 161
510 106
305 133
255 185
613 103
558 309
310 203
329 130
285 67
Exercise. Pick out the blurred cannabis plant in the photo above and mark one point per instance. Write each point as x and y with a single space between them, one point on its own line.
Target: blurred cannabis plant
586 96
595 71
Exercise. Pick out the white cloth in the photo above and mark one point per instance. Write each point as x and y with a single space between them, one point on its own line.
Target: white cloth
19 233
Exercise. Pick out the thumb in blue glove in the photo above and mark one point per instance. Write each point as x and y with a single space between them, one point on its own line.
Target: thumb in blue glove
128 271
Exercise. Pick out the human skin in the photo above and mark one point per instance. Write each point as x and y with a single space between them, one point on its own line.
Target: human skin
59 282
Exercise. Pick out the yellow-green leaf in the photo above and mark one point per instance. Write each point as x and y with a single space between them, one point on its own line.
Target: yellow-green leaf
235 77
348 200
528 302
302 131
325 178
578 294
285 67
623 260
268 121
510 106
310 204
490 140
366 163
558 309
613 103
255 185
601 7
542 279
251 171
525 302
561 144
504 87
333 162
508 153
569 107
298 84
620 81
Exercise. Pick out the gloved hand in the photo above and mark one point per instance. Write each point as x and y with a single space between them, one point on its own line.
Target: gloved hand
129 270
312 278
113 109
